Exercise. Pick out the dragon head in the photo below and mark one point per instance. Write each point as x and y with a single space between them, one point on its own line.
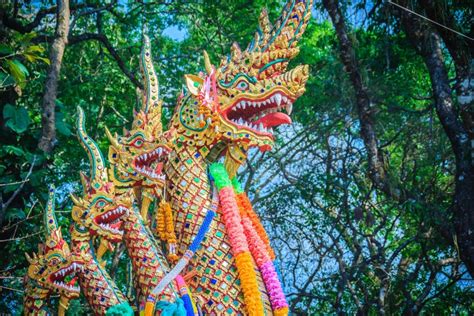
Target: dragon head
54 267
100 210
242 100
137 158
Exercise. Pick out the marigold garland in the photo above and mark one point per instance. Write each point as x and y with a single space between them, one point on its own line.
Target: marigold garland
243 200
259 250
165 228
238 240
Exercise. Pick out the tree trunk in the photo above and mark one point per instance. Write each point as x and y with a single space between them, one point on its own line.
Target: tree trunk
48 137
375 158
427 43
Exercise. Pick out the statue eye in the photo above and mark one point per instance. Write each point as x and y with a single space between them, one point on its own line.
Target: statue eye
100 203
137 143
242 85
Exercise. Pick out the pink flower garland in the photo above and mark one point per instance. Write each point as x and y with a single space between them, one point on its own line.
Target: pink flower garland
265 265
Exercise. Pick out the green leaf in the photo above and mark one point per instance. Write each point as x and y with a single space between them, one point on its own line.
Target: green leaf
17 118
61 125
14 214
6 80
18 71
14 150
35 49
5 49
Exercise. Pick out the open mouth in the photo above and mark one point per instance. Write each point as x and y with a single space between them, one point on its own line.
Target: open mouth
260 115
150 164
66 278
111 220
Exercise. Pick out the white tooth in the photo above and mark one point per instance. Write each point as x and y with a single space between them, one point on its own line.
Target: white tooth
278 99
160 151
240 121
284 99
260 127
244 105
272 99
289 108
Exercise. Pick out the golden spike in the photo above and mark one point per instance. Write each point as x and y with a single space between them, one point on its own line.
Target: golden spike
113 141
207 62
150 96
98 172
28 258
85 182
63 305
235 52
103 248
144 208
49 218
76 200
265 26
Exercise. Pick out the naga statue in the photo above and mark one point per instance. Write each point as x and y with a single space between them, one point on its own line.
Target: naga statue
195 244
53 270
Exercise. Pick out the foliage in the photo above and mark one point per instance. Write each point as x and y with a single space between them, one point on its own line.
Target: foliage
341 242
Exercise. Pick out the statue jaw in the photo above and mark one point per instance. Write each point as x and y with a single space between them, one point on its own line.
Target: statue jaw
150 163
102 214
55 268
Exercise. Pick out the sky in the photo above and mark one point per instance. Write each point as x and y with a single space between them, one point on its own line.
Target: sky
175 32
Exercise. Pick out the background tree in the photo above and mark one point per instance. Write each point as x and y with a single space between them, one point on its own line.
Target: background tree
362 195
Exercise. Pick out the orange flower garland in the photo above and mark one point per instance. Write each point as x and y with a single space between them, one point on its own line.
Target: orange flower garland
165 228
259 246
238 240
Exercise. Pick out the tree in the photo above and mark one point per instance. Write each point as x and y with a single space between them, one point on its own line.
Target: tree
357 195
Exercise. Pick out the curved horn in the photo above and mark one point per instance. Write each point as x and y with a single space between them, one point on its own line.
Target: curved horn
76 200
30 260
85 181
150 95
111 138
98 173
235 52
286 31
49 218
207 62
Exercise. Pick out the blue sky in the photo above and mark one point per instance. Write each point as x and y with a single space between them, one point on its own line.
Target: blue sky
175 32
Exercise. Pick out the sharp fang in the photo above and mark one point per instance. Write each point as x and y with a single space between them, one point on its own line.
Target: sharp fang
278 99
289 108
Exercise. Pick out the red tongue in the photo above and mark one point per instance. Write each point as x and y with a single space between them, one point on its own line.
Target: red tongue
73 281
274 119
158 168
116 225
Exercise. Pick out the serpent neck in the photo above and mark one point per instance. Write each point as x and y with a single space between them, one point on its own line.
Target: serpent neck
35 301
148 261
216 281
99 289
